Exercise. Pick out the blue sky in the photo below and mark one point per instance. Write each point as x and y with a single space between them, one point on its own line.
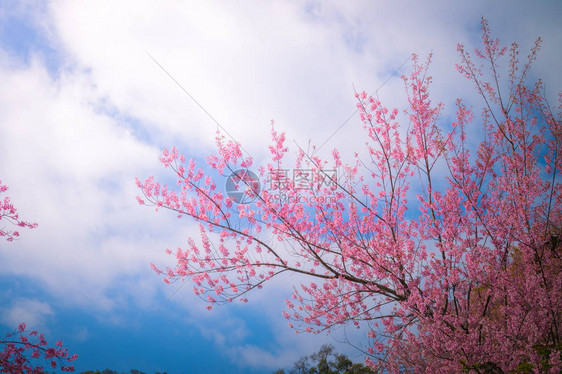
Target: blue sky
84 110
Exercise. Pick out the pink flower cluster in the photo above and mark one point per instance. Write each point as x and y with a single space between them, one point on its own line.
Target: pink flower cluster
9 214
20 347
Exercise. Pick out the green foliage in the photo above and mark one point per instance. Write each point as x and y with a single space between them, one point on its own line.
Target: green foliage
326 361
544 351
525 367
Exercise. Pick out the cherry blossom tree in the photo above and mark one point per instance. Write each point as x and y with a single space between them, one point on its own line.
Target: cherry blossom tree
17 345
442 241
9 213
20 347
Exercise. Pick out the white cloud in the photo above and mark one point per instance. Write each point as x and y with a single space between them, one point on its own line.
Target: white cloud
32 312
72 169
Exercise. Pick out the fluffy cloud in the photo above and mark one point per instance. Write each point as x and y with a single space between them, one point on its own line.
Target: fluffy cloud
71 169
33 312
